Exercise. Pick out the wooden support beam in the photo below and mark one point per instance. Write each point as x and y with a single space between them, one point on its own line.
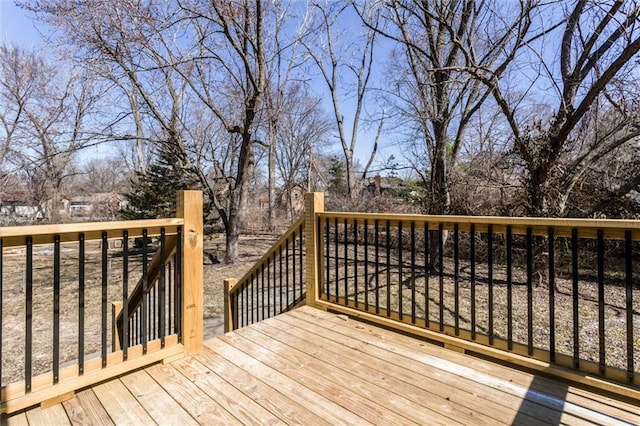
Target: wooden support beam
189 208
228 309
313 203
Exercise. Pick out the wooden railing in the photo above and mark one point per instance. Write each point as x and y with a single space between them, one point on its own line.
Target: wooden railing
556 295
58 283
275 284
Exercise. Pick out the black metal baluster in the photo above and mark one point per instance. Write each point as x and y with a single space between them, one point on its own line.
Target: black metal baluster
336 260
242 312
286 261
346 263
366 265
509 288
280 276
530 291
601 318
81 286
234 314
300 257
1 303
56 308
264 302
441 272
355 261
413 272
254 278
456 278
388 238
472 260
490 279
377 265
161 291
269 286
145 289
327 255
28 294
552 297
427 271
575 298
169 293
293 263
125 294
628 256
178 314
400 296
105 275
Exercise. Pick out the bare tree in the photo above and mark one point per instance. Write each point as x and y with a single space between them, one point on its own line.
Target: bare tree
597 45
431 91
301 136
346 65
51 107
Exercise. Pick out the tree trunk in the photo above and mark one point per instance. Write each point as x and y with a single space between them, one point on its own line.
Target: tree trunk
272 176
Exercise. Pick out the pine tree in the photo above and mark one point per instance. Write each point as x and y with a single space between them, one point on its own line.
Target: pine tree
153 193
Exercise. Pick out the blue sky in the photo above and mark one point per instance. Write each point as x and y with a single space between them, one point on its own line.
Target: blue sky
16 26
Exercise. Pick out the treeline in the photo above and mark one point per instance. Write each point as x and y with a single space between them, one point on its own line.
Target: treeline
489 107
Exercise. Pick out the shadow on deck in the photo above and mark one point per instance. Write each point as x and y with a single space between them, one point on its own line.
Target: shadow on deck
312 367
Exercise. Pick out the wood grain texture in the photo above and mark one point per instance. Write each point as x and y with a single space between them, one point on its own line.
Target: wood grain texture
155 400
86 409
189 208
54 415
241 405
310 367
122 406
280 401
190 397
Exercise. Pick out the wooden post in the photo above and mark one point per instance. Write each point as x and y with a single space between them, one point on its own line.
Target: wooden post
313 203
228 311
116 308
189 208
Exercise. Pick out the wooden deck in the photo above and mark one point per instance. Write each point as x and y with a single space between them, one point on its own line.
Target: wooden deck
311 367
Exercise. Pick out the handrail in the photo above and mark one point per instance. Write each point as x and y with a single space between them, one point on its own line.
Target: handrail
159 260
612 228
265 257
14 235
249 299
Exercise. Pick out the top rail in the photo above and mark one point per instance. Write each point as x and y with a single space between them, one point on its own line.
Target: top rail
267 256
42 234
612 228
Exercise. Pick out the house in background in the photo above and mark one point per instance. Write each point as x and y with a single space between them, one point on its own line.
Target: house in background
16 206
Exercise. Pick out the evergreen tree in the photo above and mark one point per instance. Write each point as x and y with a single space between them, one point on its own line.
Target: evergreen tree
153 193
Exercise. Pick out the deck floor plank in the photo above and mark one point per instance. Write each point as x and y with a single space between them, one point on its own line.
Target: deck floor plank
533 393
357 377
460 389
122 406
158 403
380 400
233 400
571 394
419 388
321 405
190 397
54 415
311 367
85 409
281 399
19 419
